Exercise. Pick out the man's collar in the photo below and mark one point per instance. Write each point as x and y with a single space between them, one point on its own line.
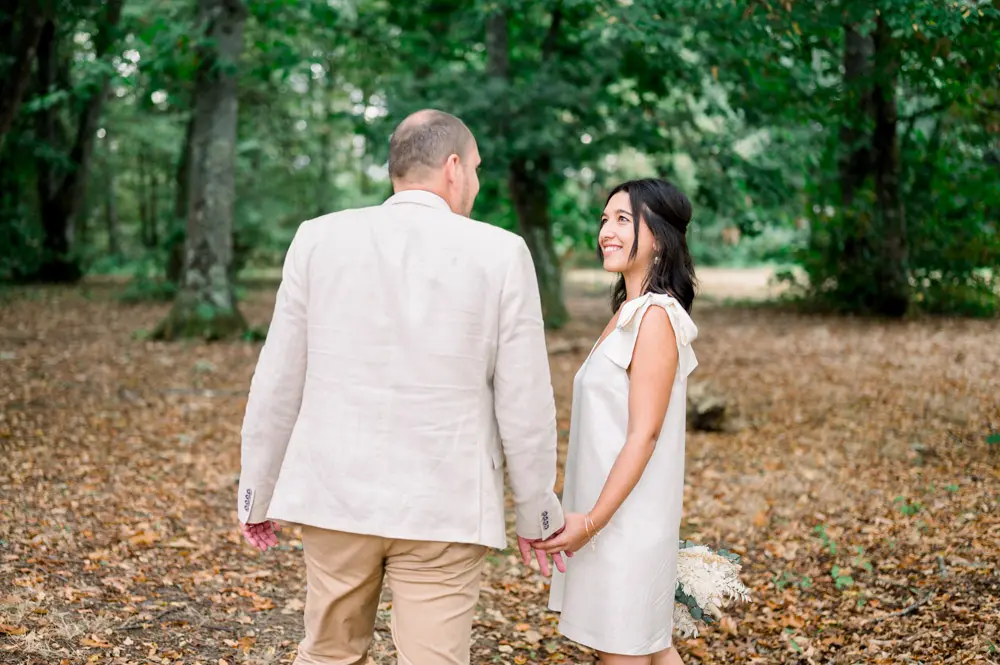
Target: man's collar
420 197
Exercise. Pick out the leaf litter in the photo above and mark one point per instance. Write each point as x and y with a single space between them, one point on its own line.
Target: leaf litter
862 492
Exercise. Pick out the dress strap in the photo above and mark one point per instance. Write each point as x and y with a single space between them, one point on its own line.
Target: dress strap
621 343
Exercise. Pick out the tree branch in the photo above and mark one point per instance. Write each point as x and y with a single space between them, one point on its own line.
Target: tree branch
15 81
929 111
909 609
73 186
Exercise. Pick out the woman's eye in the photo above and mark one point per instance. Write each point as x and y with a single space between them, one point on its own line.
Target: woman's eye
623 219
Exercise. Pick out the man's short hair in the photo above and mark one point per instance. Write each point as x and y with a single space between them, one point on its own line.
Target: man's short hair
425 140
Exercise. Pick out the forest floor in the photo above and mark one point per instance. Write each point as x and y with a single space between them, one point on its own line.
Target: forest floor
863 492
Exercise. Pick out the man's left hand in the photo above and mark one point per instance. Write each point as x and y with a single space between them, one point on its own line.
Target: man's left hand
527 546
261 536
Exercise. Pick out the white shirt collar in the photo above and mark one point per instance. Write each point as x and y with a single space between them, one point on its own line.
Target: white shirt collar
420 197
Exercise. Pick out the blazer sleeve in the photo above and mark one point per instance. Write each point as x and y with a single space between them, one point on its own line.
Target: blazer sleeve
524 402
275 389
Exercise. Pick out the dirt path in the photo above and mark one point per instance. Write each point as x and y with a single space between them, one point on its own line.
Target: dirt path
714 283
863 493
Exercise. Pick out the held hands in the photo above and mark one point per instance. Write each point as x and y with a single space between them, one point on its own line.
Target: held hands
526 546
579 530
261 536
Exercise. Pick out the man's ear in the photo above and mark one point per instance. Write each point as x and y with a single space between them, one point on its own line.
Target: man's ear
452 167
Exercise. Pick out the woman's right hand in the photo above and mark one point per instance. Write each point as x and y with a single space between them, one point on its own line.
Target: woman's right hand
574 536
527 546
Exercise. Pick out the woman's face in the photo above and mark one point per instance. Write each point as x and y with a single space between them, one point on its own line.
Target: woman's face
618 235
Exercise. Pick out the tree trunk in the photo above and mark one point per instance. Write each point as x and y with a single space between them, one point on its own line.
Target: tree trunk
323 178
893 295
143 196
529 190
872 269
19 37
154 213
111 216
57 265
364 182
528 179
112 227
62 202
325 152
82 154
854 270
206 304
176 233
855 160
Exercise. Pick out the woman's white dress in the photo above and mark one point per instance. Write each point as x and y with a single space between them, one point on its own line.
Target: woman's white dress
618 597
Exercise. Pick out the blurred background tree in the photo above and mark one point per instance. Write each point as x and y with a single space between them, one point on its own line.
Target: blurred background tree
855 145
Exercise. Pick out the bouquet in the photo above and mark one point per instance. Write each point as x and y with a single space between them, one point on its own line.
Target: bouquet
705 581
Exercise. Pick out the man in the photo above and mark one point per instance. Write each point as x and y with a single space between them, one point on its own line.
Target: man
405 360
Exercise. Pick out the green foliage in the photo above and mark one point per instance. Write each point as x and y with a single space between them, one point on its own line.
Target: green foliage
20 240
860 561
783 580
953 210
841 578
255 334
747 106
908 507
144 289
189 319
681 596
797 116
786 579
829 544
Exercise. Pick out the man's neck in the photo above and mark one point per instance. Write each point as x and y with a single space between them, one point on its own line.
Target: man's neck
398 187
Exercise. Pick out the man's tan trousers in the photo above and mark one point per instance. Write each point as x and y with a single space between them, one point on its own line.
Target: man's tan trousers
434 586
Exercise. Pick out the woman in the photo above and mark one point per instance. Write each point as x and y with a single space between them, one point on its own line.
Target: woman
625 469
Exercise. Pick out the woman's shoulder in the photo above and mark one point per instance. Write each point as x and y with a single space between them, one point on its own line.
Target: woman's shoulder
670 313
633 311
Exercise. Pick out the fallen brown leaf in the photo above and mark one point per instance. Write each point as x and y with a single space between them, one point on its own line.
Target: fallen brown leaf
95 642
7 629
864 449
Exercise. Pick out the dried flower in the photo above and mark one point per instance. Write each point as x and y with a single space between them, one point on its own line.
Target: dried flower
706 580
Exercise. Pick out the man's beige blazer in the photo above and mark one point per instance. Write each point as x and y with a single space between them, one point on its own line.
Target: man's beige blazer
404 363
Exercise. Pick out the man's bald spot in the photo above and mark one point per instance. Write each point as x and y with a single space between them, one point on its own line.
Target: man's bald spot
423 141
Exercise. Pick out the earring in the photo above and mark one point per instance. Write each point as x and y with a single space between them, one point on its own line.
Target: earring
656 259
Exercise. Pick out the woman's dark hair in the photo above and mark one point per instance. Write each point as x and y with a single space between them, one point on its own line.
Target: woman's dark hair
667 212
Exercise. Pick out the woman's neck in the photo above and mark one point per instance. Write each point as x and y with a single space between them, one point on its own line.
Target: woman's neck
634 282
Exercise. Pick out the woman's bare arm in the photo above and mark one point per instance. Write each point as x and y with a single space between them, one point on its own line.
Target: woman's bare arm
651 379
651 374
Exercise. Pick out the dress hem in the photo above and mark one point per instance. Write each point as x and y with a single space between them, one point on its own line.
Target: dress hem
588 641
